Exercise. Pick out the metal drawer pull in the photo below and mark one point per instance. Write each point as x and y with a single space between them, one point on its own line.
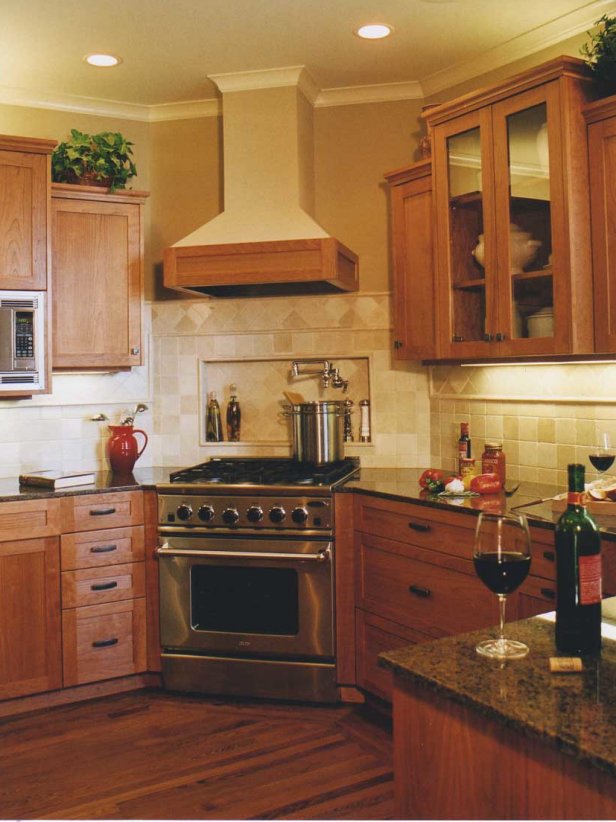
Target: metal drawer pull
420 592
104 586
548 593
322 556
105 643
418 526
101 512
549 555
103 549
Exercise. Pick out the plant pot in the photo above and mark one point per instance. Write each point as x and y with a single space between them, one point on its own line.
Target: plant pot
89 178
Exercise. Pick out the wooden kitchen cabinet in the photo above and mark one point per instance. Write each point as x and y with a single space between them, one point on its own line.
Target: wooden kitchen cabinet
30 639
103 586
413 286
97 255
513 252
25 174
601 119
415 581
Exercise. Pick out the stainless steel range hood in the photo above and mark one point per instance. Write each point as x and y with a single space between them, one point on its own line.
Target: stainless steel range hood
266 240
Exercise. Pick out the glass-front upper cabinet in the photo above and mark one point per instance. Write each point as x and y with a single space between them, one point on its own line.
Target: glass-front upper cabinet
511 192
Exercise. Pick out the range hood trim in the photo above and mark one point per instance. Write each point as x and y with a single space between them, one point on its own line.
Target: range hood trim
204 269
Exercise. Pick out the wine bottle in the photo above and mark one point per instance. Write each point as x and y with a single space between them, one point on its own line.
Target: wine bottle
213 423
464 444
234 416
578 573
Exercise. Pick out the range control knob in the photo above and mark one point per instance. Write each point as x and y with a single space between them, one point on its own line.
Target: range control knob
230 516
277 514
254 513
206 513
299 515
184 512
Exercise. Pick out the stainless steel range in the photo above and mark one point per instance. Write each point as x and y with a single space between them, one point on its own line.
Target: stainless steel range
247 578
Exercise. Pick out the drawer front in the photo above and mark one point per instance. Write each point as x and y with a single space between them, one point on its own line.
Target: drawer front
93 586
434 599
90 512
104 641
543 553
30 519
112 546
374 636
418 525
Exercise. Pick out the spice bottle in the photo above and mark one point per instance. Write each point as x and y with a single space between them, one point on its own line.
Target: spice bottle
493 461
213 422
464 445
234 415
364 424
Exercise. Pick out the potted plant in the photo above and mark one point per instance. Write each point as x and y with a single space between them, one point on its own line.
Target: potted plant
103 159
600 55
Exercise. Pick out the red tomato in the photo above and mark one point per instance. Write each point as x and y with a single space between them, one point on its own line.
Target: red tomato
486 484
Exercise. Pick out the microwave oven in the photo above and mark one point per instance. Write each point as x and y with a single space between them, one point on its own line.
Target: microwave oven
22 340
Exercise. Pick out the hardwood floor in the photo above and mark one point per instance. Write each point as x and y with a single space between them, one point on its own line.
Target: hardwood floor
153 755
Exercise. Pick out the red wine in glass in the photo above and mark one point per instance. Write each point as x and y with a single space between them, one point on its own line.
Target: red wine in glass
501 557
603 455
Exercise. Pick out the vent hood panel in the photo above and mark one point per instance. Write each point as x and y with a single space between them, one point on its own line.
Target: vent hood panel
266 240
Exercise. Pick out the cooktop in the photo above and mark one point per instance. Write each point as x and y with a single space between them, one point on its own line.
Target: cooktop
259 471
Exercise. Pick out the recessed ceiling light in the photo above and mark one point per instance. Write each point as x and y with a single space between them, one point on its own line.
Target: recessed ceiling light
102 60
374 31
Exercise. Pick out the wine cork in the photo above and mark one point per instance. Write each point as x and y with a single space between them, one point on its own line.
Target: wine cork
565 664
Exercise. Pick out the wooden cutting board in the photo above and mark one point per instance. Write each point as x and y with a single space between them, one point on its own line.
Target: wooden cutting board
603 507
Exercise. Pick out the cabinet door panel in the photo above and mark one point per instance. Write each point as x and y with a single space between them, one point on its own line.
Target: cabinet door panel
414 290
30 643
97 283
24 191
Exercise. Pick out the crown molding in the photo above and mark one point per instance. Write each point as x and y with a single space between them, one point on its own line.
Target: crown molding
190 110
382 93
556 31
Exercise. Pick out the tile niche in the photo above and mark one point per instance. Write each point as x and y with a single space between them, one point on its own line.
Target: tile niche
260 385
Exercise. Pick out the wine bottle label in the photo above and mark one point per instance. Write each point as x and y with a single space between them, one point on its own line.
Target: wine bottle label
590 579
575 498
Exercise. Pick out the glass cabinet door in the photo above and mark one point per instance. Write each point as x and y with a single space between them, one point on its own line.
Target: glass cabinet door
466 235
524 216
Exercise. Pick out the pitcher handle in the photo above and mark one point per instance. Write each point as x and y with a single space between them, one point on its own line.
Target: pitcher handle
145 437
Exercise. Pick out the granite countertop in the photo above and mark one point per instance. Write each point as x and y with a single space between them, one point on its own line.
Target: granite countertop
403 484
140 479
576 713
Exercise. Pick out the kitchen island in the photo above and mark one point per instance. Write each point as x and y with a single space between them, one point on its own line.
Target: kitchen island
478 739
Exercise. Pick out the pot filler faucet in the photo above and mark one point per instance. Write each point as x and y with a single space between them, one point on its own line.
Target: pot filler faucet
329 375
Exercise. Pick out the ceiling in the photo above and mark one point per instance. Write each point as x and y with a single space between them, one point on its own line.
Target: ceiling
170 47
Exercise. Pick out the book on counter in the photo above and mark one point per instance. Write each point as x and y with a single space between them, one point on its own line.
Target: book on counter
56 479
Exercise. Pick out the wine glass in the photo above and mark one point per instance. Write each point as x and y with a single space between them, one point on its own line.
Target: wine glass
603 454
502 559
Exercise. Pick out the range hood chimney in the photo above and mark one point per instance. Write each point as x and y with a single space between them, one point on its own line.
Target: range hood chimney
265 241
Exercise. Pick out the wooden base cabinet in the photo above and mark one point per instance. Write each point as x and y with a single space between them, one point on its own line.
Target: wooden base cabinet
30 640
97 242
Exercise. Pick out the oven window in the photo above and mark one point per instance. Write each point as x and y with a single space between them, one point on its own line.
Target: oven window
244 600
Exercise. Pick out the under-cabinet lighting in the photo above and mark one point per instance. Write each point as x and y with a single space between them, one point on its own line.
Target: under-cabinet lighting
102 60
374 31
535 362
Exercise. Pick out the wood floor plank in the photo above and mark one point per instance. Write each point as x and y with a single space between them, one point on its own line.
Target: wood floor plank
155 755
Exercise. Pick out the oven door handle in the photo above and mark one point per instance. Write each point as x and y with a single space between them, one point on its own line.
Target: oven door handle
321 556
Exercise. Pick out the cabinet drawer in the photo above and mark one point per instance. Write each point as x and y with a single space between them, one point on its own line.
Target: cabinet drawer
450 533
30 518
374 636
108 547
103 641
90 512
543 554
92 586
432 598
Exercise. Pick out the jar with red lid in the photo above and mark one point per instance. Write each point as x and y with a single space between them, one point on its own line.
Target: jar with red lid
493 461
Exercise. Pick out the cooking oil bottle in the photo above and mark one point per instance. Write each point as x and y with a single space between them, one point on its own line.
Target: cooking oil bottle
234 415
213 422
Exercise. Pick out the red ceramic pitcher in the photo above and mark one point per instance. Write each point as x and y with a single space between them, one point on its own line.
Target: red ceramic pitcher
122 448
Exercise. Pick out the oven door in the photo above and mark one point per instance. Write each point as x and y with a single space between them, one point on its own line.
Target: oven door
258 596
